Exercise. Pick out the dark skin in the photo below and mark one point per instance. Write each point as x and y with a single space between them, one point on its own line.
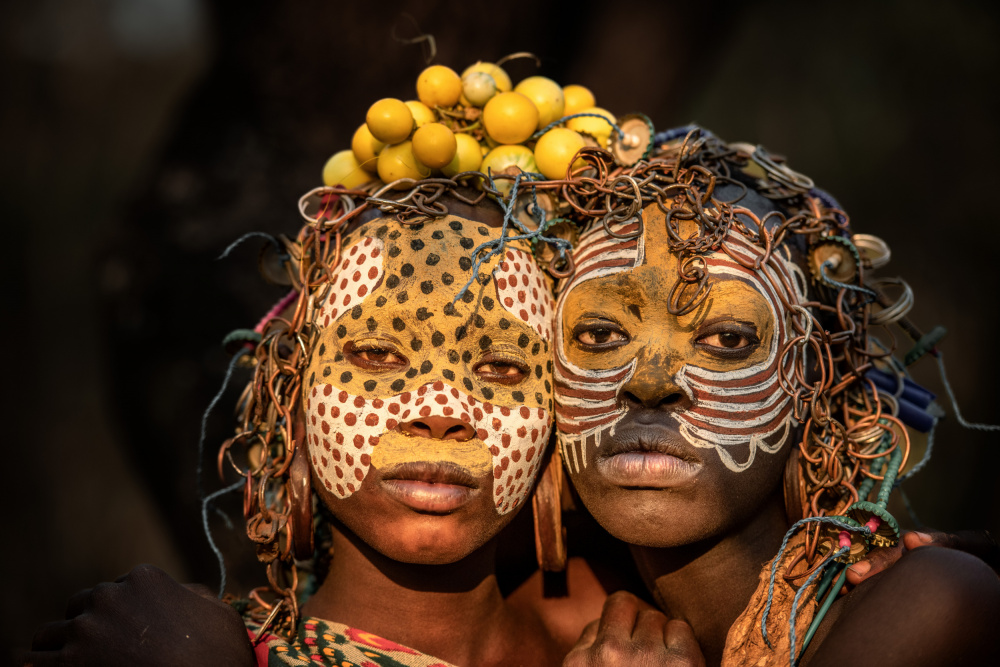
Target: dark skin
455 588
699 541
116 624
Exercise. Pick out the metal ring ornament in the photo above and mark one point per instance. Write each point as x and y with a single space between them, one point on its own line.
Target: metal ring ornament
790 179
874 251
898 309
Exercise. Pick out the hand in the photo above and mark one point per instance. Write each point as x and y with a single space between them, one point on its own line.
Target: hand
632 633
143 618
979 543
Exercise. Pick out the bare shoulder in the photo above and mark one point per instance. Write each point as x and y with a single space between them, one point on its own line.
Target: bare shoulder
935 606
563 606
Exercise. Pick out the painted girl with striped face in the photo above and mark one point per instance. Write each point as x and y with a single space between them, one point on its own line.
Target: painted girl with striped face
671 424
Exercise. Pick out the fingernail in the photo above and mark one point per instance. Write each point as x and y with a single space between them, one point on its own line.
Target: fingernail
923 537
860 568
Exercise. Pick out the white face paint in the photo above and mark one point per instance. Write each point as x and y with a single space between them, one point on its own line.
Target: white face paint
391 295
733 403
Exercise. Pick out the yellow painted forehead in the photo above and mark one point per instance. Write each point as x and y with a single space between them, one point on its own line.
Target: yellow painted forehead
394 289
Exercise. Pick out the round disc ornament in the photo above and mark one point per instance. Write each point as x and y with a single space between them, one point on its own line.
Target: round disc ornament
635 141
834 258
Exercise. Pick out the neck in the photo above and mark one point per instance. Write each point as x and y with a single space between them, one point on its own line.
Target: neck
435 609
709 583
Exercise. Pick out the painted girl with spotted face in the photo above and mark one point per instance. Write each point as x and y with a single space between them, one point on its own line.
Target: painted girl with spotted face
426 410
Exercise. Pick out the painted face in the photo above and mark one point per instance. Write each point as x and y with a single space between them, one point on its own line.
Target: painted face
651 401
408 395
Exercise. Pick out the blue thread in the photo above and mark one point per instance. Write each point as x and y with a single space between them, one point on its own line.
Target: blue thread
827 279
199 471
496 246
562 120
277 245
795 601
954 402
208 531
784 545
204 419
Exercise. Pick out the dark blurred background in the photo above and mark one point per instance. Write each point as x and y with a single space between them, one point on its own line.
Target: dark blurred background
140 137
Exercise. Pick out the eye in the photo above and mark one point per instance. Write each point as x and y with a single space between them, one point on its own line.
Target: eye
733 340
500 369
600 334
375 356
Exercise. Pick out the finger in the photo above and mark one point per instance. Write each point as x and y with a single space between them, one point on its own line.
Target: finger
650 626
916 539
51 636
877 560
588 636
618 616
681 642
979 543
78 603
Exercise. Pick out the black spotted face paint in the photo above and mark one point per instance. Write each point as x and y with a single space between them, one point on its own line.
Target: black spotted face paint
393 349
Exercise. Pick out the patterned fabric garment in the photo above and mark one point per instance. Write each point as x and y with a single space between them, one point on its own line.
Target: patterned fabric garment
320 642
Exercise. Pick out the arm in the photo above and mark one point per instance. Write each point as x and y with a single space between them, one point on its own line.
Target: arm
143 618
934 607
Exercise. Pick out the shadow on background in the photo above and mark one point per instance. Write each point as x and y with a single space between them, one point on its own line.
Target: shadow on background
142 136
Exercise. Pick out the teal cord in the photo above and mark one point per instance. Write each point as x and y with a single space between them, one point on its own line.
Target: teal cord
831 559
821 612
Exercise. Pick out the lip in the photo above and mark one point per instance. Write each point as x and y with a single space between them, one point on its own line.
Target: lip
427 486
647 458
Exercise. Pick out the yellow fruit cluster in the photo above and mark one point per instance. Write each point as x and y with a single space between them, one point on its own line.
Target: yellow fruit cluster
477 121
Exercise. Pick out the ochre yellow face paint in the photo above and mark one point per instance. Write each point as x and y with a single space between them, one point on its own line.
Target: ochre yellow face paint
395 448
624 287
392 294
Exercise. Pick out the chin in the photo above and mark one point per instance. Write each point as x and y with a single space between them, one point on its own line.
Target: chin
651 517
428 539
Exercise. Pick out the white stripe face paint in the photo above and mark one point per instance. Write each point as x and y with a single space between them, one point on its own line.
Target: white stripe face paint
736 405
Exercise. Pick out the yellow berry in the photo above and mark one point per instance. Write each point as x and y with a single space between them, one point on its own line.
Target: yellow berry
478 88
547 97
421 113
344 169
434 145
577 99
395 162
599 129
366 148
508 160
389 120
499 75
439 86
468 155
554 151
510 118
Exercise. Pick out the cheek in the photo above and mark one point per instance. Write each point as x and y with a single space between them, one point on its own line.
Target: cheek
516 438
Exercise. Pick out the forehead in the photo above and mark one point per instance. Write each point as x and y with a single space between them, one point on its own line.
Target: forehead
645 268
422 269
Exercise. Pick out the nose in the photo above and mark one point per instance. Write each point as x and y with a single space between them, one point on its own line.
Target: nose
654 386
440 428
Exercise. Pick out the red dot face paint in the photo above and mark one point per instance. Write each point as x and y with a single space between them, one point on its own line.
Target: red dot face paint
400 351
